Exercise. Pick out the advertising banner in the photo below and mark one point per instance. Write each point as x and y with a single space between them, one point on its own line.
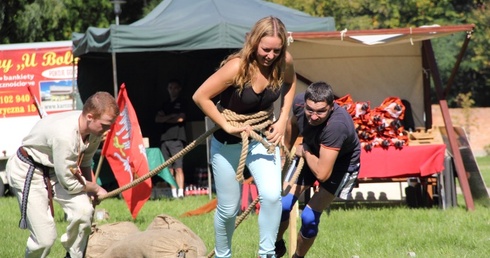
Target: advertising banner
36 79
45 74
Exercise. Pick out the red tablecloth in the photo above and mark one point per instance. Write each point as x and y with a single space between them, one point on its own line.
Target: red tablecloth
411 161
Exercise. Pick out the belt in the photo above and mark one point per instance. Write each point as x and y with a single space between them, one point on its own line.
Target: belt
24 156
24 153
224 137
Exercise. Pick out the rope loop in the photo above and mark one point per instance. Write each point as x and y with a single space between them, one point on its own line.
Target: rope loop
259 122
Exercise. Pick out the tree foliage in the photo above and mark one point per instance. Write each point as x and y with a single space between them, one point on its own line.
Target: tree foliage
54 20
474 73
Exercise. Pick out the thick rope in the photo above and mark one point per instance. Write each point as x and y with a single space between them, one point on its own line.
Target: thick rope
289 156
156 170
295 176
298 171
259 122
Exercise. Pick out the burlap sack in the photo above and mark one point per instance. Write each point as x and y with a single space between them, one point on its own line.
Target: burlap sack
163 221
164 237
152 244
103 236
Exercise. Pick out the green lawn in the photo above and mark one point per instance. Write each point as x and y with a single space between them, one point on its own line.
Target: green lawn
362 231
484 166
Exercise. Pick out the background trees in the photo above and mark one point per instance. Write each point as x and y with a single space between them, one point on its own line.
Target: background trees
53 20
474 73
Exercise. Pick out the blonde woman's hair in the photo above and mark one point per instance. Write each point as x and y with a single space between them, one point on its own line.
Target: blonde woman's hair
267 26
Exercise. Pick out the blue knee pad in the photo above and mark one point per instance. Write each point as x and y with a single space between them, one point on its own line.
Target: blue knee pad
288 202
309 222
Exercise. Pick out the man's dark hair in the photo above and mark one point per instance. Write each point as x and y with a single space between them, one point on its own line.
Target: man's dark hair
320 92
176 81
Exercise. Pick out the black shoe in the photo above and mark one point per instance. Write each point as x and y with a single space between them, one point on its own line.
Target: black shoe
67 255
280 248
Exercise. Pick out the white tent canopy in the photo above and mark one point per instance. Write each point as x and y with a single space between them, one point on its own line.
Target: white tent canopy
369 65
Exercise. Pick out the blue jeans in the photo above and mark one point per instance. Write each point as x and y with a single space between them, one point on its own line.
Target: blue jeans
266 171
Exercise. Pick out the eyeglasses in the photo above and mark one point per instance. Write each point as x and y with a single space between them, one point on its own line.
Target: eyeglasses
316 112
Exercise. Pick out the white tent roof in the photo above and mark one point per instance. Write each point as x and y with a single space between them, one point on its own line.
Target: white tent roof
369 65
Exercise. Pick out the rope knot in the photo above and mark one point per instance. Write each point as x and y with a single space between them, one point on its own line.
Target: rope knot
259 122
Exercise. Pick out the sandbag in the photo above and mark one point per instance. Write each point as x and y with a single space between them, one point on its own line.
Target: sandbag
164 237
152 244
103 236
163 221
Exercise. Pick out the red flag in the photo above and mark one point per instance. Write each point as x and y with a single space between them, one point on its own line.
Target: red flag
126 154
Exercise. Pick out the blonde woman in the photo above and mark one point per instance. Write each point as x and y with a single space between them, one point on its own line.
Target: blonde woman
249 81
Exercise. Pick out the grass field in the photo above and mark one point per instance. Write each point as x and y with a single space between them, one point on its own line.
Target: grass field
362 231
484 166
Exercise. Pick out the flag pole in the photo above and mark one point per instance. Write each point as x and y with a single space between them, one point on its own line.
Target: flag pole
99 166
102 154
40 110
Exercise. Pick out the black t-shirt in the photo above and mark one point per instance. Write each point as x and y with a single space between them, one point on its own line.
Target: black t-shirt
337 132
174 131
248 102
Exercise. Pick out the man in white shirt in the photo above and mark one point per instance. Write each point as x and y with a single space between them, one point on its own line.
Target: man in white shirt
55 163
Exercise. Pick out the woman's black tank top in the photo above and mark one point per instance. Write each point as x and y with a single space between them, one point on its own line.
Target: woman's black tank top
248 102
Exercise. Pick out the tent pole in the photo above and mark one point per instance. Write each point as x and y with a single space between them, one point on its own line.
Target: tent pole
303 79
451 135
114 72
208 124
458 63
117 12
426 84
73 95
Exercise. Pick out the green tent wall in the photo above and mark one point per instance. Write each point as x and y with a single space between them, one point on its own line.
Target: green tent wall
183 39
